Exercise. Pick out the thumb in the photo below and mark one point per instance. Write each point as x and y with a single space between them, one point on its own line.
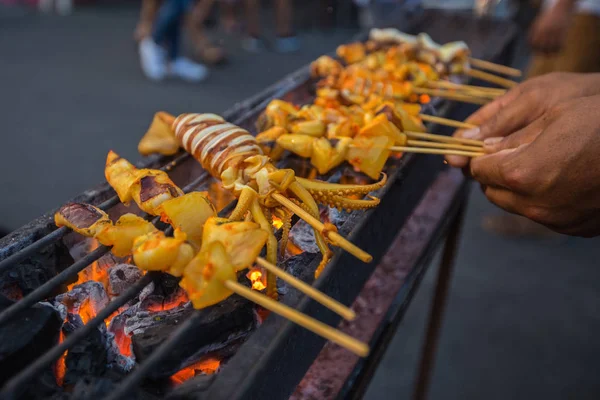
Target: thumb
514 140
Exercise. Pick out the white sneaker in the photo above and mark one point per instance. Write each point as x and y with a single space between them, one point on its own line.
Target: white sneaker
153 60
188 70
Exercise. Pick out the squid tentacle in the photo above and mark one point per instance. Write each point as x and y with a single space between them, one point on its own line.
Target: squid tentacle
244 203
259 218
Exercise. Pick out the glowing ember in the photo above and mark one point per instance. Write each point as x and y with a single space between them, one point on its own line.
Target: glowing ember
123 342
292 249
93 272
207 367
177 300
277 222
424 99
60 367
257 278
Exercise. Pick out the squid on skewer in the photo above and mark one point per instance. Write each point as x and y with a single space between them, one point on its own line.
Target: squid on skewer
230 154
449 59
196 226
210 276
357 136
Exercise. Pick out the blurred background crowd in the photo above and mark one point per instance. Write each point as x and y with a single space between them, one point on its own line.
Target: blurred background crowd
81 77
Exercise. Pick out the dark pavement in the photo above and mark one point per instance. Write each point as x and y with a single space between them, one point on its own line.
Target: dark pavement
523 317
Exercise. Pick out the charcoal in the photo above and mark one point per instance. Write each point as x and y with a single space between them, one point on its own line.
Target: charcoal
216 327
89 388
121 356
88 294
24 339
298 266
37 270
121 277
87 357
45 387
143 319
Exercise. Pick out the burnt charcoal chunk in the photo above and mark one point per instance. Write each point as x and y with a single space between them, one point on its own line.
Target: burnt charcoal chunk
121 277
80 215
89 388
217 327
37 270
88 357
24 339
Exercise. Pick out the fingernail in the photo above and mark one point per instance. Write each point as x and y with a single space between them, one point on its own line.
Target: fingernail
470 133
492 141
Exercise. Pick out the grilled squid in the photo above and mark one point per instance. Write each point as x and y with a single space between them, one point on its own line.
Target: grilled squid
232 155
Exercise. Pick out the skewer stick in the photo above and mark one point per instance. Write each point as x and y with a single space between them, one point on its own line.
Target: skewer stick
333 236
308 290
490 66
442 138
446 121
423 150
434 145
357 347
450 95
485 76
458 86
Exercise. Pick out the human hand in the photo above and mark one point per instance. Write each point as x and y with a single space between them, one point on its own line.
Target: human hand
549 30
549 171
524 104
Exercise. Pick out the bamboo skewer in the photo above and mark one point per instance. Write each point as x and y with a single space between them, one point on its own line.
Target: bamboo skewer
437 145
446 121
451 95
308 290
333 236
490 66
484 76
424 150
459 86
357 347
442 138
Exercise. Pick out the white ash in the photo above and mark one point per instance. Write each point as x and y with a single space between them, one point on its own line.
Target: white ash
90 291
147 291
302 234
60 308
142 320
121 277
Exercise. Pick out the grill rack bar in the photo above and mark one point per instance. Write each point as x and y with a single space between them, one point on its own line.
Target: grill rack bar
40 294
13 388
57 234
137 375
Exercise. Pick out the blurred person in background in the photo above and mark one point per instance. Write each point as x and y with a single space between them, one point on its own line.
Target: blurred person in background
286 40
193 19
566 37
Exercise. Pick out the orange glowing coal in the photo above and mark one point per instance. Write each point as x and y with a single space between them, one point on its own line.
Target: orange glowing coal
277 222
93 272
292 249
60 367
424 99
257 278
207 366
178 300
